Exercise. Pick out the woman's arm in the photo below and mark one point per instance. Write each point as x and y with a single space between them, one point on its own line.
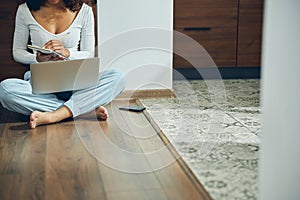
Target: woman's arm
87 39
20 40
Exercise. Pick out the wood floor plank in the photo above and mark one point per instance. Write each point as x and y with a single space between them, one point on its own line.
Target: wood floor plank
71 172
3 115
155 194
22 166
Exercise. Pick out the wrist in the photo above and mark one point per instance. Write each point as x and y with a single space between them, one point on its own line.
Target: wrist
66 52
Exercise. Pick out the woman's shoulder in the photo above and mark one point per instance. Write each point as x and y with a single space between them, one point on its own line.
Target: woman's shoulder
85 10
23 8
86 7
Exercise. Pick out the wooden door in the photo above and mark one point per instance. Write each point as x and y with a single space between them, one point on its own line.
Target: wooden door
213 24
250 33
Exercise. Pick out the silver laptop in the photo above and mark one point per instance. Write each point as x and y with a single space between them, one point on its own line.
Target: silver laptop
60 76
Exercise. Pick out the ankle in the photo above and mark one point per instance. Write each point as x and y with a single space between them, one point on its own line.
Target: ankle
53 117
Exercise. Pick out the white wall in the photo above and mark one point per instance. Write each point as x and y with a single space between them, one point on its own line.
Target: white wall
280 157
135 36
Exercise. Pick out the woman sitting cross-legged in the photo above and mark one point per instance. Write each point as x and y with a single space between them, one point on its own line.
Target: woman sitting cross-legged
63 26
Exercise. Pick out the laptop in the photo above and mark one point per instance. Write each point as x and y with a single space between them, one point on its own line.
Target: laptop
60 76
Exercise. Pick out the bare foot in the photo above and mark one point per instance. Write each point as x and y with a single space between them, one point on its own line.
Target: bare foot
39 118
101 113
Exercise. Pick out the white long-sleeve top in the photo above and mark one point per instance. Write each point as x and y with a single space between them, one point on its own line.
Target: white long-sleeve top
79 33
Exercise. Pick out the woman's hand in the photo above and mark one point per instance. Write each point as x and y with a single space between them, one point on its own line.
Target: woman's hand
55 45
40 57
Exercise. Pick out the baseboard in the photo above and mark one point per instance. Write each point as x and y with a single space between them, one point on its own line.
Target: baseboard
143 94
210 73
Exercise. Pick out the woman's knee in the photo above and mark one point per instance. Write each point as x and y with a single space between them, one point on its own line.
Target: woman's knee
117 74
5 89
13 85
10 91
116 81
10 88
114 76
119 78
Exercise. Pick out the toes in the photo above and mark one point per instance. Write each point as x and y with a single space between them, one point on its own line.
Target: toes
34 119
33 124
102 116
102 113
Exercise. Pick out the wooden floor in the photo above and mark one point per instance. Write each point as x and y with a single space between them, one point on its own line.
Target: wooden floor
123 158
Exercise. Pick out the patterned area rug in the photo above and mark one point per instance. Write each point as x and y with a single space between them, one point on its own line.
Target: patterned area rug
215 125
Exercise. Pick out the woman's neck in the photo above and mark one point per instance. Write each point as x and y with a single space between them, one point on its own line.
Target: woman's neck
59 5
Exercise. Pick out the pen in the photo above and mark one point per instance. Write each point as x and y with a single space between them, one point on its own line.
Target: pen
58 54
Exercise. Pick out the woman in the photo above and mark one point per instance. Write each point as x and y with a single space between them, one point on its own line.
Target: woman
66 26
